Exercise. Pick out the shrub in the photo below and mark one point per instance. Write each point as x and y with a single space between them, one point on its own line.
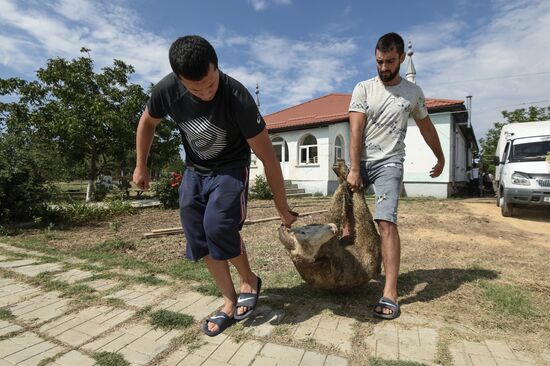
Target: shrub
23 188
167 190
260 189
81 213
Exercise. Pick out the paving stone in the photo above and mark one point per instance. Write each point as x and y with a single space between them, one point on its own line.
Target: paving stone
17 263
27 349
176 358
283 355
34 270
3 258
460 358
74 275
225 351
411 349
190 303
138 343
40 308
523 356
140 295
12 292
482 360
264 320
127 272
335 361
7 327
387 341
102 284
78 328
504 362
264 361
474 348
246 353
73 358
332 338
20 250
313 359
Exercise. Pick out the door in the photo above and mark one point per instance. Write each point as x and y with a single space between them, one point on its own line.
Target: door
281 151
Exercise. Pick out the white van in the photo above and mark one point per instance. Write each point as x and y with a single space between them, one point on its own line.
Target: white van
522 174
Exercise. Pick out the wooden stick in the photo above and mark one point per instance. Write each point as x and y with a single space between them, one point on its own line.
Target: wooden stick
176 230
249 222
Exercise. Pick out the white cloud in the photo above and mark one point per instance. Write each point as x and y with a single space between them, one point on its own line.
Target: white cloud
260 5
63 27
514 41
291 71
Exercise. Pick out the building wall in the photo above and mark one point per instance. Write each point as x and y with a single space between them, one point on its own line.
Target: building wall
419 159
319 178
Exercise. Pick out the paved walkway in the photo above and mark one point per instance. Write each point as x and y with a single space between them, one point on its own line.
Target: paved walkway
40 327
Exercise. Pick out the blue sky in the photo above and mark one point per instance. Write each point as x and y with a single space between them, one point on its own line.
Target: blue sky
497 51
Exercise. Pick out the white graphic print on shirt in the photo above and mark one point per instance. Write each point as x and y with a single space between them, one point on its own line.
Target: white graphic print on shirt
205 139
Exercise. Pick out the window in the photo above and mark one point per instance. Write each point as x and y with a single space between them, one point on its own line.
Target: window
338 149
281 149
308 150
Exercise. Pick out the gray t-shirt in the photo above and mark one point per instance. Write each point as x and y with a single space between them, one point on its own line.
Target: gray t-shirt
387 109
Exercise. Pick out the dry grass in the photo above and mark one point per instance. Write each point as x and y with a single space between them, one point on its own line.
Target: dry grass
460 262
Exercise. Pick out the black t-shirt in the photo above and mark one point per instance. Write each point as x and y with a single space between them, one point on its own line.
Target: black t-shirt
214 133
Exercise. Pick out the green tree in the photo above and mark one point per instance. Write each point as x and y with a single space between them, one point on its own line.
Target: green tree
88 118
489 143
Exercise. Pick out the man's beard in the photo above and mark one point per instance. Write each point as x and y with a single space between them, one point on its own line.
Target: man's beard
388 77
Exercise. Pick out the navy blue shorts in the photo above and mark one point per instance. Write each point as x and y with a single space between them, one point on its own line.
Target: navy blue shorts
212 212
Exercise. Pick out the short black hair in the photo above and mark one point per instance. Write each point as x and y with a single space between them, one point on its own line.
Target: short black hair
391 41
191 56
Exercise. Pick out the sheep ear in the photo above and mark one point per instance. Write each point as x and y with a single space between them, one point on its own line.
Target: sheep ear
286 238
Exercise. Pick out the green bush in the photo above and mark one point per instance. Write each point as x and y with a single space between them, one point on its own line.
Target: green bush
167 189
23 186
260 190
78 213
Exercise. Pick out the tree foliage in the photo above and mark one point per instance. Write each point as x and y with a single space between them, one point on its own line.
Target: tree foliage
489 143
87 119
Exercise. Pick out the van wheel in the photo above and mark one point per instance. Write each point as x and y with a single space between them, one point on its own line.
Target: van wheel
506 208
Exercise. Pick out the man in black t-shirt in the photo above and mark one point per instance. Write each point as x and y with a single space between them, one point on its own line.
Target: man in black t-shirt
219 123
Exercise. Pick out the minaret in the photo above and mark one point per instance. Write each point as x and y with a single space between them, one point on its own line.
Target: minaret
257 95
411 71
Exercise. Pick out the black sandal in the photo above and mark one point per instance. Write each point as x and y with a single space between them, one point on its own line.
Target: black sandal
385 303
222 320
249 301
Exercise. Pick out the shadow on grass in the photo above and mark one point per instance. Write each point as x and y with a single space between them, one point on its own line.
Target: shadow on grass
302 302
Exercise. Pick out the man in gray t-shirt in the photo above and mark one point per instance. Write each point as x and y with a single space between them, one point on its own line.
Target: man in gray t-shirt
379 112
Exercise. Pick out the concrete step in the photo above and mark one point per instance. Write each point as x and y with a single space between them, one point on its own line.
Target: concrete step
297 195
294 190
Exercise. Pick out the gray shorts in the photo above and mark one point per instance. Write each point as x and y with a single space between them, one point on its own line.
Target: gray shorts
386 175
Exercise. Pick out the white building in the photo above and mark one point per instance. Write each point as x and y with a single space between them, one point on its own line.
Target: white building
309 137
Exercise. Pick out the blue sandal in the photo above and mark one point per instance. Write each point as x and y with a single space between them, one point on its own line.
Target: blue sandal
385 303
221 319
249 301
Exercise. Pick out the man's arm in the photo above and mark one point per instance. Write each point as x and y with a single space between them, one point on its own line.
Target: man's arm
429 134
261 145
357 122
144 139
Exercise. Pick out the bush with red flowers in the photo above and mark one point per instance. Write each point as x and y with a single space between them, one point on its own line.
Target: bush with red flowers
166 189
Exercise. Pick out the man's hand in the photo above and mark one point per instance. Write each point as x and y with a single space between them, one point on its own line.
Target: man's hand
141 178
288 217
437 169
354 180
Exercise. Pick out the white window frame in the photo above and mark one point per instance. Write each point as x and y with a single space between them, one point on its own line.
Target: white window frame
338 149
310 160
